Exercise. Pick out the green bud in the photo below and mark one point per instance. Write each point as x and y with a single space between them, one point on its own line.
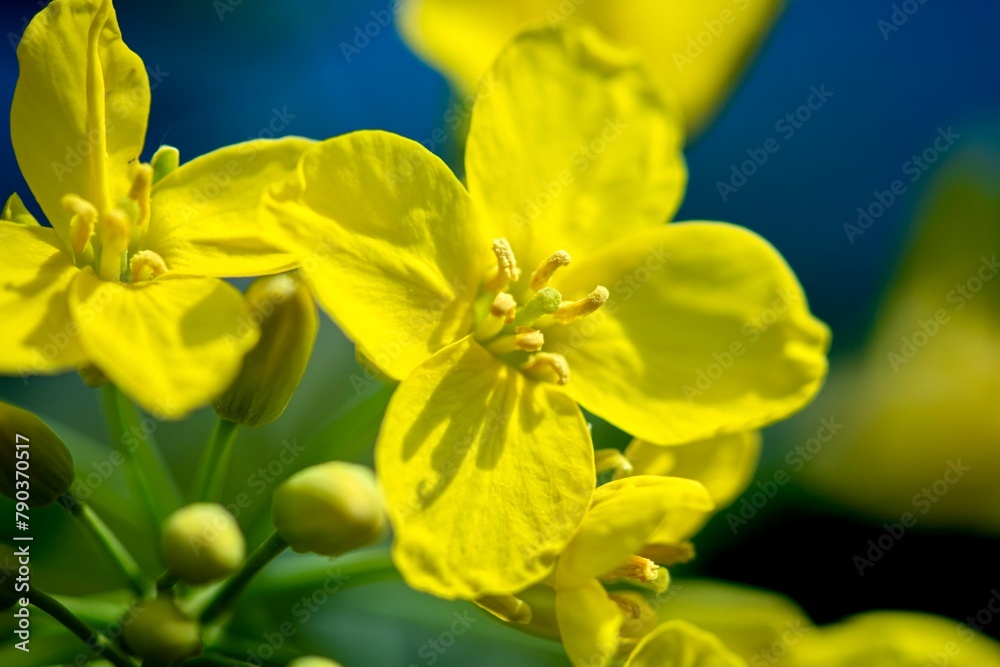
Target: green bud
313 661
30 447
160 631
283 307
329 509
202 542
165 160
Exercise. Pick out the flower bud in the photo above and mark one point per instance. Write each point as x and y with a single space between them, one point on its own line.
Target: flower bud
313 661
284 309
160 631
329 509
30 447
202 542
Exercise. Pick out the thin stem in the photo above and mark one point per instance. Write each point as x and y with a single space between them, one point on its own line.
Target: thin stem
166 581
107 540
150 474
210 477
353 569
264 554
99 644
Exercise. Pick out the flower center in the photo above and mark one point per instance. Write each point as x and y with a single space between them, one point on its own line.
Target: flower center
513 331
108 240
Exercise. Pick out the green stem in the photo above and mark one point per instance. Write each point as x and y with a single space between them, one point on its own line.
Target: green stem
353 569
210 477
104 648
149 472
263 555
107 540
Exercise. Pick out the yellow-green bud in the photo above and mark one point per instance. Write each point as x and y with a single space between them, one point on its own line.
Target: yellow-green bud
329 509
35 466
202 542
283 307
162 632
313 661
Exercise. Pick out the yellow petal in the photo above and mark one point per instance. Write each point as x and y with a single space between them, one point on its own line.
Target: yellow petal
724 465
624 516
680 644
203 218
487 474
589 623
697 50
171 345
35 324
570 146
80 107
388 239
707 332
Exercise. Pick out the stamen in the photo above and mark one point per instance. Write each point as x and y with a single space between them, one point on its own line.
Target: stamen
506 271
165 160
506 607
613 461
571 310
544 365
525 339
142 183
640 618
502 312
146 265
669 554
540 278
636 568
81 225
114 232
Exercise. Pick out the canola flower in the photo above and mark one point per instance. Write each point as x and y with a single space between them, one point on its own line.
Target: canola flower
696 49
126 280
549 281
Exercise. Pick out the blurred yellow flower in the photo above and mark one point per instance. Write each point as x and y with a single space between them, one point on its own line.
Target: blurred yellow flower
125 279
696 49
573 166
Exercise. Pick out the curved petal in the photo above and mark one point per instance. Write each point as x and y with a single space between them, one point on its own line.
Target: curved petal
171 345
724 465
80 107
589 624
487 474
35 325
624 516
203 215
680 644
696 49
570 146
388 239
707 332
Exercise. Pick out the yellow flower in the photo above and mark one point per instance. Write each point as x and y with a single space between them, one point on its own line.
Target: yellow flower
126 277
573 166
696 48
633 526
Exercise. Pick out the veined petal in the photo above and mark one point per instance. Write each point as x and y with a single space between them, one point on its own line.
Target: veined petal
680 644
707 332
624 516
570 145
724 465
487 474
80 107
171 345
388 239
698 50
589 624
203 215
35 324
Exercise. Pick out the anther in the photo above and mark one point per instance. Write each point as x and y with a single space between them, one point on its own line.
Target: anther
142 183
146 265
613 461
114 234
81 225
545 365
506 271
571 310
669 554
502 312
540 278
525 339
506 607
165 160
